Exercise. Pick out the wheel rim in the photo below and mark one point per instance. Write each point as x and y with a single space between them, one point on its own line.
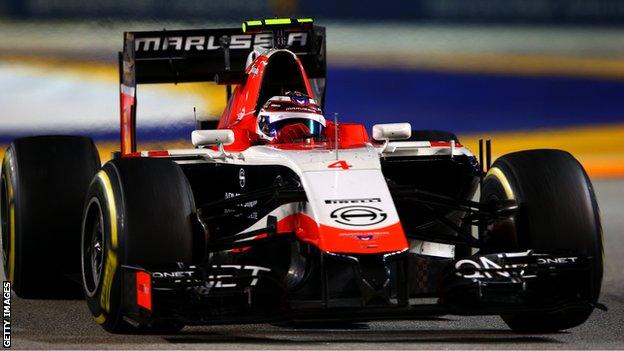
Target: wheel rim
93 247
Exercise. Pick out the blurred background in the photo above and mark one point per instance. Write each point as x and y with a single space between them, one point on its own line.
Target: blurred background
524 73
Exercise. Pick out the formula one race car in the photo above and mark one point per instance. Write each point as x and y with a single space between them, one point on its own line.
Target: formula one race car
280 215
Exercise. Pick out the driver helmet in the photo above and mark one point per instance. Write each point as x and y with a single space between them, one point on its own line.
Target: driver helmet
292 109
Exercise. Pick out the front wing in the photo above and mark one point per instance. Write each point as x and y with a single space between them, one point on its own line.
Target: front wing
401 285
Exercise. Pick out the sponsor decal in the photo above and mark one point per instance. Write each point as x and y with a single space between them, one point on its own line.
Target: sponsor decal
353 201
229 276
241 178
300 100
6 314
300 109
249 204
294 40
174 274
557 260
371 236
358 215
477 268
481 264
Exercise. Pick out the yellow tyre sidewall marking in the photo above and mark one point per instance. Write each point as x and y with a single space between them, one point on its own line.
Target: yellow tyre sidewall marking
112 210
111 257
109 274
100 319
11 228
502 179
12 242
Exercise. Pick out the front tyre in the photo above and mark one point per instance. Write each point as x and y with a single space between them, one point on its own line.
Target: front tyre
558 212
137 213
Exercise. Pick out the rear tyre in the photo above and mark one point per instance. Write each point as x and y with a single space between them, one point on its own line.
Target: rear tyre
138 213
558 212
42 187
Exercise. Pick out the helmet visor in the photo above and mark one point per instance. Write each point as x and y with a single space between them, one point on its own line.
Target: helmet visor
272 129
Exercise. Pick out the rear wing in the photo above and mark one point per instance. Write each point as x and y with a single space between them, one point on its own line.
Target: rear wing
210 55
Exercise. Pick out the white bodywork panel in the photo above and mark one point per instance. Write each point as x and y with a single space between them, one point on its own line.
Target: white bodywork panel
361 180
331 191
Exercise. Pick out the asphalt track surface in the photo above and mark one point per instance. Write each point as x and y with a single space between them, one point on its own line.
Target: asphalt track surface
67 324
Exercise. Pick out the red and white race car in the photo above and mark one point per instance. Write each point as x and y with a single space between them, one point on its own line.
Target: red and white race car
283 214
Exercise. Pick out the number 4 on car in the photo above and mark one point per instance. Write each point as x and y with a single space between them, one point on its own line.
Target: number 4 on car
340 164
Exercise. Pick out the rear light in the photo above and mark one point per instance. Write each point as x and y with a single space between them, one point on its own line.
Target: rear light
144 290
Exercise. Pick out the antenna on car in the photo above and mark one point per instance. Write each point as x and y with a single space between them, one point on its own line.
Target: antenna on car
336 133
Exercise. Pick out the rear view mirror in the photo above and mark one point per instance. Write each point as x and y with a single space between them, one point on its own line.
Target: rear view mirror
392 131
212 137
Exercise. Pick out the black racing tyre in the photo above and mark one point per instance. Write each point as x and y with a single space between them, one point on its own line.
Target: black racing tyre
558 212
432 135
42 188
137 213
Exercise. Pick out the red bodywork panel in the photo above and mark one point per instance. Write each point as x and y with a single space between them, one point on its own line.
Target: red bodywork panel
330 239
326 238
